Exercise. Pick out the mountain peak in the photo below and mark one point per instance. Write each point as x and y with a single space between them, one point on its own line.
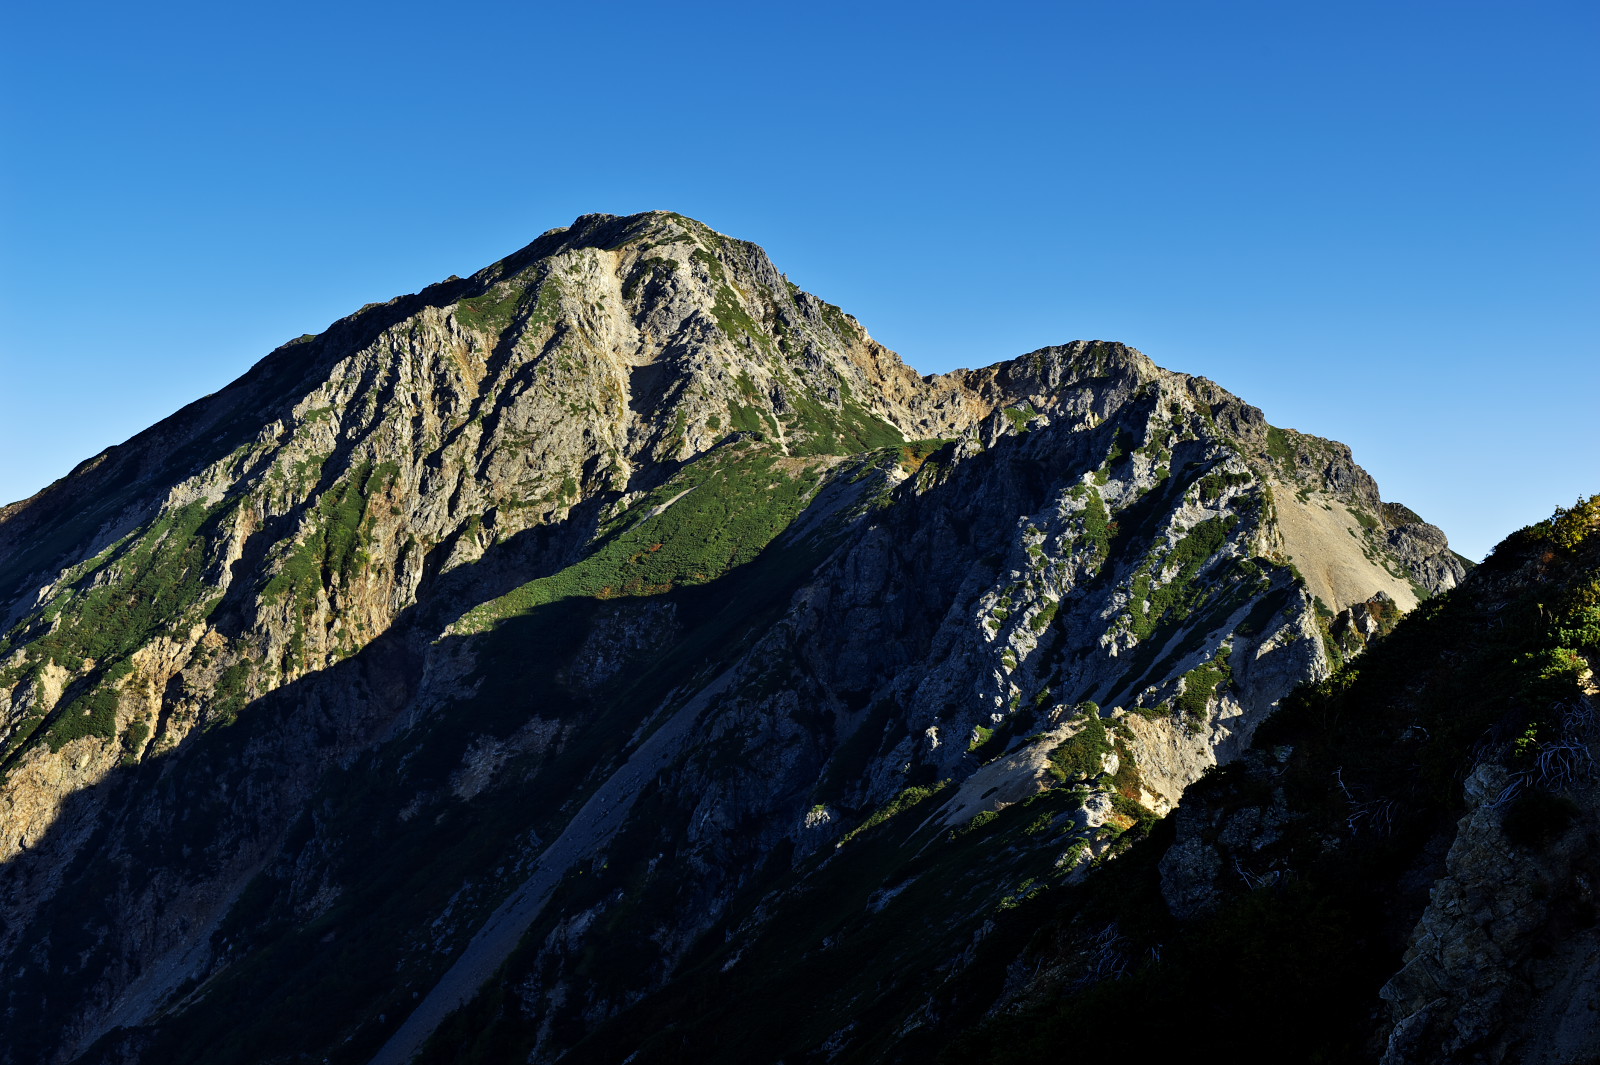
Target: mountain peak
567 616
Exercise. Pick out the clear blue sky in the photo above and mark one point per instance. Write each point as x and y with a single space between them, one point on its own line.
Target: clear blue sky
1376 221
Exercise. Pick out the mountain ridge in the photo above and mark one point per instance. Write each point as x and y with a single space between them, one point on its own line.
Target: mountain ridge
660 484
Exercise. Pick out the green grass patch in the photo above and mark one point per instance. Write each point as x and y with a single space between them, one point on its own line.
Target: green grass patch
1081 756
1280 447
1200 686
493 312
744 419
898 805
1098 528
1213 485
148 583
1019 417
850 430
91 714
1180 594
723 512
158 576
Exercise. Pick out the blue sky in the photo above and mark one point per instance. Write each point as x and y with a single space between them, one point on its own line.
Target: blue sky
1376 221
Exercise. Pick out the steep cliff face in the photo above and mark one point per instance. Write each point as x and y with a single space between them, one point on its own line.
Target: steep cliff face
1504 962
1401 870
551 644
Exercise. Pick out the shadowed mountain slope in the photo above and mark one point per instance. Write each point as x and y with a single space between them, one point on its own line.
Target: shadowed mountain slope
618 632
1401 870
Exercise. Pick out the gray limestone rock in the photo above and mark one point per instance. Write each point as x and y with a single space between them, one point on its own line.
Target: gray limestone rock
590 597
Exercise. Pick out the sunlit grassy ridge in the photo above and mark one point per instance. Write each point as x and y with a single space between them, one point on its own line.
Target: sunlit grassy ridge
715 515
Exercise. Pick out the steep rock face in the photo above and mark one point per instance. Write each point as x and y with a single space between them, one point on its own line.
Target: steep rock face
1400 870
623 597
1504 964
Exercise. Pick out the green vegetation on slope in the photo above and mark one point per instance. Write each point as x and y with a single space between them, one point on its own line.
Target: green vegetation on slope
156 576
1079 756
1098 528
120 601
491 312
331 551
850 430
1180 593
899 804
1200 686
715 515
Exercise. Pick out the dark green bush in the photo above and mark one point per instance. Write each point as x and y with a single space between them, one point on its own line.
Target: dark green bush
1081 755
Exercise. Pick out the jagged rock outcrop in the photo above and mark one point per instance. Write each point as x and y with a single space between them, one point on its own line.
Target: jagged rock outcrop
626 603
1402 869
1504 964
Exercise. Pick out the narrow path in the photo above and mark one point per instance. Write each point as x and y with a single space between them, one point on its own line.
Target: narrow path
593 825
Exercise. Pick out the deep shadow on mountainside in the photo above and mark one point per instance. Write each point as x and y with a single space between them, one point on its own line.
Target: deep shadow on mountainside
618 654
1402 868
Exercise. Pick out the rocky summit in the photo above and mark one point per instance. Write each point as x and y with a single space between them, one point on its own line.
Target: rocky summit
620 655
